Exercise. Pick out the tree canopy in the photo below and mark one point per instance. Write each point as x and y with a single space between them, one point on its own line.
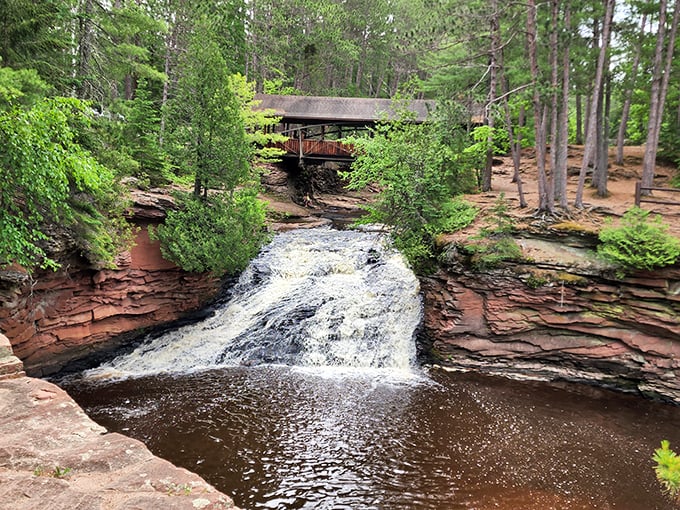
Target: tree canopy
164 84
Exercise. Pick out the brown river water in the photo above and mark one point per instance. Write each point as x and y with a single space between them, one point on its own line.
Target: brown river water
303 391
280 437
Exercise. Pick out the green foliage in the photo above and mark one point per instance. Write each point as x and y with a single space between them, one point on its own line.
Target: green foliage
418 174
675 180
208 137
640 242
667 470
20 87
500 221
139 137
57 472
490 252
38 35
220 233
257 122
494 244
43 170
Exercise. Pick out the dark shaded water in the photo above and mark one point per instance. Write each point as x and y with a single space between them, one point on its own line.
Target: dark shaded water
281 437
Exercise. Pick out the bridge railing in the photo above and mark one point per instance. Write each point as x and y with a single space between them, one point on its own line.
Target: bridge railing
320 148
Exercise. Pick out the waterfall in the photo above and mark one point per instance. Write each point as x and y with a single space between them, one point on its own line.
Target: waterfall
312 298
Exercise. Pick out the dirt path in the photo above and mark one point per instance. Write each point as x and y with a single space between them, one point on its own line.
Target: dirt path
621 187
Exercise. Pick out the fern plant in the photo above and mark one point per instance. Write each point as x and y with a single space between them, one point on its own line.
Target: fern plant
640 242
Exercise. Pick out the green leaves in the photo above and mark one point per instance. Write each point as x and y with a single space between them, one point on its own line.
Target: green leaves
42 169
418 175
220 234
209 138
640 242
668 470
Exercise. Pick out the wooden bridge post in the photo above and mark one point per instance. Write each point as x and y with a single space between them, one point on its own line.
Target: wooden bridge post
638 193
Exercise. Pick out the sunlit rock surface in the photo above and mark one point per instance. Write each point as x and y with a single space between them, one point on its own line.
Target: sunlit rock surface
558 315
53 456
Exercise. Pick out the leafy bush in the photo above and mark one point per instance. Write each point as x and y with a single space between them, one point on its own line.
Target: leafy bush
668 470
46 178
639 243
489 252
220 233
418 173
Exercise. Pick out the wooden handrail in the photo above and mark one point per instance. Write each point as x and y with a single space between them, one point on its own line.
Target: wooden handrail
639 197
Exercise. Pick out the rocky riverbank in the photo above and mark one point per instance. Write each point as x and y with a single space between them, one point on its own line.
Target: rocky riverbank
53 456
52 318
558 314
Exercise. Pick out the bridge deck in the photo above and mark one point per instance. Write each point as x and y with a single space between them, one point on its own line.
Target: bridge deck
317 149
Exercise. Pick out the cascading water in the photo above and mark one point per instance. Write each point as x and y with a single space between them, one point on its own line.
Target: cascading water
275 436
311 298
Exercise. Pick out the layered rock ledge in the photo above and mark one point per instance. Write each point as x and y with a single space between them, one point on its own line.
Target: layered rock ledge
53 318
559 314
53 456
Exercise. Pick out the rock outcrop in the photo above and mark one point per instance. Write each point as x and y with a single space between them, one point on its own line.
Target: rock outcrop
53 456
52 318
10 366
558 315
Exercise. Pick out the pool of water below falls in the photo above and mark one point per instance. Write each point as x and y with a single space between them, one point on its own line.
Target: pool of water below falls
281 437
301 391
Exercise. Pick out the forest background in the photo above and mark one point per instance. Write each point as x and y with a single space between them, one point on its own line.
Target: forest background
94 92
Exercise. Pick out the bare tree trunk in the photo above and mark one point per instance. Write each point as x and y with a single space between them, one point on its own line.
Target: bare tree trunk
493 73
85 89
579 119
600 157
513 138
554 84
589 148
544 203
562 147
625 113
171 49
660 79
603 159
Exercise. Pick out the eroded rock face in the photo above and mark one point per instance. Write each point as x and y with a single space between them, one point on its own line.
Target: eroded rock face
56 317
559 317
53 456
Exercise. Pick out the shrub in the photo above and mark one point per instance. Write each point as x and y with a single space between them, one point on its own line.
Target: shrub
489 252
220 233
639 243
494 244
668 470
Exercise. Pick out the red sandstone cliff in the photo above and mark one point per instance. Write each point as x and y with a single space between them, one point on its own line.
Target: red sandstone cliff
55 317
559 316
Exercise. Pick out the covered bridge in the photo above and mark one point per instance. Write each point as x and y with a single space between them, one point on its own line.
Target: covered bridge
316 123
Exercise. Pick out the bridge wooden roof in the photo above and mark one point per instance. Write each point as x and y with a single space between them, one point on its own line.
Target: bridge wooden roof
350 110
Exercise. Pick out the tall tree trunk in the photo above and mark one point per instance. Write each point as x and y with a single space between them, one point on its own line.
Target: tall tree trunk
554 98
600 159
514 139
660 79
628 95
603 152
590 147
544 203
562 147
493 73
85 88
579 119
